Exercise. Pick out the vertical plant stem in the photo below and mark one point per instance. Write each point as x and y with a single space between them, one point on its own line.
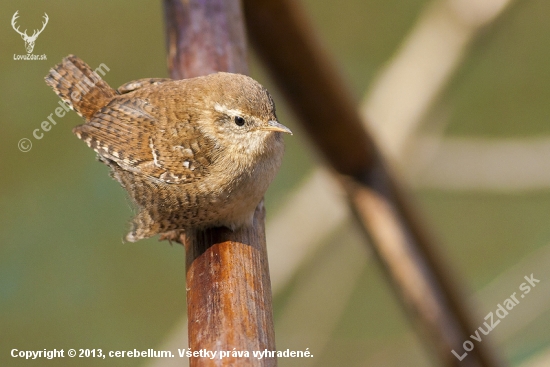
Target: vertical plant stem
229 303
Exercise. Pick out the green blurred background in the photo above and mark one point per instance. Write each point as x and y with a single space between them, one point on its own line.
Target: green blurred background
68 281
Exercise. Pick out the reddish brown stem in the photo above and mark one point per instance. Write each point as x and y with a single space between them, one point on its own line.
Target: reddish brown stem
204 36
228 286
229 293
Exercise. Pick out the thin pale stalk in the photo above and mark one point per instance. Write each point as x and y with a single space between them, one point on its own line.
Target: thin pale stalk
286 43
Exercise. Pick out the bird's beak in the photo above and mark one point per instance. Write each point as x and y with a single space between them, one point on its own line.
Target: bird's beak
275 126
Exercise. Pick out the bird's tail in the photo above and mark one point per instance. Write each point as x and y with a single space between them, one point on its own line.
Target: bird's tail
79 86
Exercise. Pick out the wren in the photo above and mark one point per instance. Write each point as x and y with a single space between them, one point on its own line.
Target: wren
192 153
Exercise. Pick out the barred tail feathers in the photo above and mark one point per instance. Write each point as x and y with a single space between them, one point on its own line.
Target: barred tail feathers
79 86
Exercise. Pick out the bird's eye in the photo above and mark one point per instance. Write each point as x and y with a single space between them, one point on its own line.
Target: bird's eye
239 120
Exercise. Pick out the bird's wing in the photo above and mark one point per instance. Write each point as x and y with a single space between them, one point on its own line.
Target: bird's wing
140 83
133 134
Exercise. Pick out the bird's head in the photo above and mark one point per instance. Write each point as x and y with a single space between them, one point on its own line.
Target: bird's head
242 113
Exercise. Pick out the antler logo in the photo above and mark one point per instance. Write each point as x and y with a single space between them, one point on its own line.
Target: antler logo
29 40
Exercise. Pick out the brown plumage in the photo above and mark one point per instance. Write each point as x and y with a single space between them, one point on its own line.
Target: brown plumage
191 153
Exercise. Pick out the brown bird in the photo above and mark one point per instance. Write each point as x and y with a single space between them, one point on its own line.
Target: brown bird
191 153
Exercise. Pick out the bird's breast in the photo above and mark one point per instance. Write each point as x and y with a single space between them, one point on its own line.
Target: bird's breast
241 182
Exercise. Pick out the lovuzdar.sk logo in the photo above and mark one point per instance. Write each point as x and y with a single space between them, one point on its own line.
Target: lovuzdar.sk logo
29 40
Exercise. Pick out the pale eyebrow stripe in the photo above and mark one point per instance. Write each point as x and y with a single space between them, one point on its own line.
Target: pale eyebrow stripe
228 111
